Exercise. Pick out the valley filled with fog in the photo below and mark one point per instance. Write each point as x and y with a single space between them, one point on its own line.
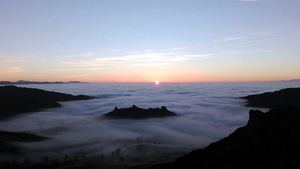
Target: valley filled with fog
206 112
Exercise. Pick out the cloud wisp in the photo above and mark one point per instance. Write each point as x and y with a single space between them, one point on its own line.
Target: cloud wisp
248 0
10 65
145 59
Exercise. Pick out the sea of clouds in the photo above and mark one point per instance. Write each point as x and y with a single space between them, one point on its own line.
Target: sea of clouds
205 112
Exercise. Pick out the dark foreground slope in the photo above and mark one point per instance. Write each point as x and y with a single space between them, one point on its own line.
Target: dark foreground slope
135 112
15 100
269 140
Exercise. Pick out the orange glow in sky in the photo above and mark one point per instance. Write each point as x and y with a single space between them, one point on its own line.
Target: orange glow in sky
146 41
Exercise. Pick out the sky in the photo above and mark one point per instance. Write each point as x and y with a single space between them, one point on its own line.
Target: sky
150 40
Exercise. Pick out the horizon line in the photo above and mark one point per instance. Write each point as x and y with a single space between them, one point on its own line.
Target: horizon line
233 81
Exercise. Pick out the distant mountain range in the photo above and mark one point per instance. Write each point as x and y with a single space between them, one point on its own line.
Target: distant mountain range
291 80
21 82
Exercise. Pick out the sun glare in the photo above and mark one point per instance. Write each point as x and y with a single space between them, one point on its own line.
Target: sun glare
157 82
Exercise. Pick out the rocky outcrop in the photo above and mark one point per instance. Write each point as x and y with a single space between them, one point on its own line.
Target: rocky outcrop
15 100
135 112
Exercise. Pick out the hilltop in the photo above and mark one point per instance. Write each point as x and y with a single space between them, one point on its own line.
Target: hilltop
16 100
135 112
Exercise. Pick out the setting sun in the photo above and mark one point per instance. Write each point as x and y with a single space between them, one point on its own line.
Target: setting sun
157 82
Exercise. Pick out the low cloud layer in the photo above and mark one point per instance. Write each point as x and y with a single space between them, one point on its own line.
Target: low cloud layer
206 113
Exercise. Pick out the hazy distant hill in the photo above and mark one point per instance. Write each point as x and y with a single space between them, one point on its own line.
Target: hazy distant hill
34 82
21 82
8 140
291 80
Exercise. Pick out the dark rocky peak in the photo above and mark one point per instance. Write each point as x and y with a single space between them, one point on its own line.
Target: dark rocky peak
135 112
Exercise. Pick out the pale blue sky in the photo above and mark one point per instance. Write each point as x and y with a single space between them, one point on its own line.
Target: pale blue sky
147 40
